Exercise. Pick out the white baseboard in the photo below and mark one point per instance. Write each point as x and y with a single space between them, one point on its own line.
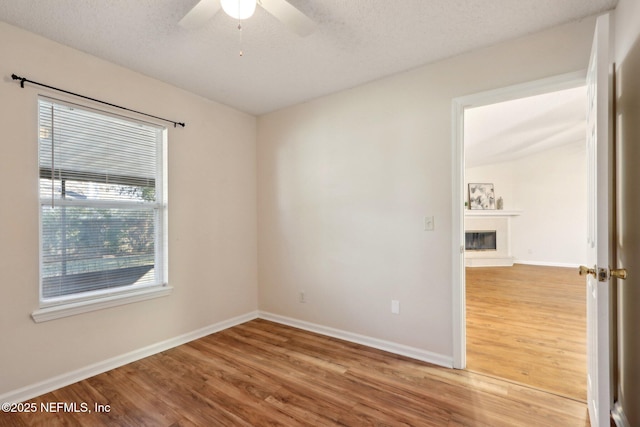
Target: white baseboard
546 263
38 389
391 347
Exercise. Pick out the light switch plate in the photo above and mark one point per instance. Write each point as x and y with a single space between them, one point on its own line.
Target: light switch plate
395 306
429 224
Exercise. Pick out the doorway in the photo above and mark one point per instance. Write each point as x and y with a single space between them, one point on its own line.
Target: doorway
520 160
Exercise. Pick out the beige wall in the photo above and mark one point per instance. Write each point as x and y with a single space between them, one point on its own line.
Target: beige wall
627 59
212 215
344 183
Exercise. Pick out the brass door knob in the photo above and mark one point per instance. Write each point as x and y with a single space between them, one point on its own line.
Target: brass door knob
620 273
583 271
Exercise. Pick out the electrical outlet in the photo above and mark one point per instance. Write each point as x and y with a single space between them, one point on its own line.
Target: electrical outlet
429 224
302 297
395 306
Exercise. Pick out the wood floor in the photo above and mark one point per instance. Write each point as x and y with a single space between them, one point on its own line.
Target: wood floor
265 374
528 324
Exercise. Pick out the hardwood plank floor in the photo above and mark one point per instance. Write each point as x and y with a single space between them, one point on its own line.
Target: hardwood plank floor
528 324
264 374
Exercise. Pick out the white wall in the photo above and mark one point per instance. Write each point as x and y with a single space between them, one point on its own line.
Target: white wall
212 215
550 189
344 183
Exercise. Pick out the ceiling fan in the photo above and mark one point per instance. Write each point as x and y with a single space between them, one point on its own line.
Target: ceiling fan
291 17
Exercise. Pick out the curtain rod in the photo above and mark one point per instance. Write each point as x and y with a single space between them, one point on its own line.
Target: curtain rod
25 80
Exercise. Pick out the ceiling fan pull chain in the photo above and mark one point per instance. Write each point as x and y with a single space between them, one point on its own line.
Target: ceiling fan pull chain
240 29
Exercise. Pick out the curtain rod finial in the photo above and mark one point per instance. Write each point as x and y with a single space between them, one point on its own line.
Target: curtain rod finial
22 79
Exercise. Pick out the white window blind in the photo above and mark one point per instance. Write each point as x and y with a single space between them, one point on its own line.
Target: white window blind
101 200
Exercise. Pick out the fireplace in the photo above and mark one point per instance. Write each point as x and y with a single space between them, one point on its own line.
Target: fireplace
480 240
487 240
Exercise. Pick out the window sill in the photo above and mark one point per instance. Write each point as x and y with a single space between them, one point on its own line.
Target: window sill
79 307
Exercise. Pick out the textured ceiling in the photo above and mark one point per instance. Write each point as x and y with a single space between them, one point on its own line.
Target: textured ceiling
356 41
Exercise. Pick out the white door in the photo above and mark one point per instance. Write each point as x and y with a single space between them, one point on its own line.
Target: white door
599 170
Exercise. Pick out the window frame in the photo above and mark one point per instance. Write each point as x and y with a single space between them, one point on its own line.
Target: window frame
82 302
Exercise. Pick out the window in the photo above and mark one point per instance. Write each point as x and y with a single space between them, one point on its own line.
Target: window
102 207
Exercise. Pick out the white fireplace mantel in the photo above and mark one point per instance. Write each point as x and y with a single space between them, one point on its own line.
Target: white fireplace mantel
494 220
490 212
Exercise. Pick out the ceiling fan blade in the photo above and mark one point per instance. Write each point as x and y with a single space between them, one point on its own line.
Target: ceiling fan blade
295 20
200 14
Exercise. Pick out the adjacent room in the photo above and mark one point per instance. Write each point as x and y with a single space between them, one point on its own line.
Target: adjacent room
525 228
213 218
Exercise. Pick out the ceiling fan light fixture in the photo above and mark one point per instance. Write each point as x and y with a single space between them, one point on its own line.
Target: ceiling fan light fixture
239 9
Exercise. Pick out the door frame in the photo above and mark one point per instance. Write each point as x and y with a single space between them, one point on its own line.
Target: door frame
536 87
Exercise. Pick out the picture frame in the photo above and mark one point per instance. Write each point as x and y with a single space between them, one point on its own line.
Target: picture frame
481 196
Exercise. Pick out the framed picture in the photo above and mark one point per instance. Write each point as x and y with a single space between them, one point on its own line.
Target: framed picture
481 196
